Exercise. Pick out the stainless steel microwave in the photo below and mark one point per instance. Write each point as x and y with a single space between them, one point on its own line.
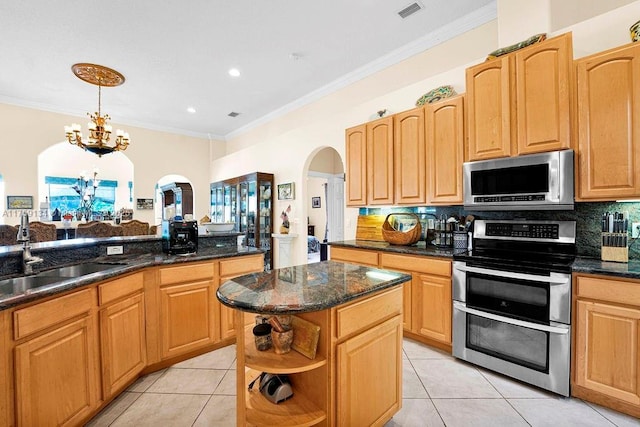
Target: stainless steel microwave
531 182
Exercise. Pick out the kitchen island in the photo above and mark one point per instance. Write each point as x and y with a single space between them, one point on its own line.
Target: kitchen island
355 377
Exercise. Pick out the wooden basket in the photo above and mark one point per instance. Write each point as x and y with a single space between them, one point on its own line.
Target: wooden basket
396 237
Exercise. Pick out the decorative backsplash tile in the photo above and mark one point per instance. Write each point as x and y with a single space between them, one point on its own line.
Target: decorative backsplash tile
587 216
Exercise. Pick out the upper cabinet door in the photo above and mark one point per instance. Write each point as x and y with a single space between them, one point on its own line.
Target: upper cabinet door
380 162
356 174
444 126
543 94
489 109
409 158
609 124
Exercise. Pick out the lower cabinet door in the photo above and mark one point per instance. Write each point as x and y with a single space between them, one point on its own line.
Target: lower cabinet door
432 307
187 319
124 351
57 376
607 350
369 384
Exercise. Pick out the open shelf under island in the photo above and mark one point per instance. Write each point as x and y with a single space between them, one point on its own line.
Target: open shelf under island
356 375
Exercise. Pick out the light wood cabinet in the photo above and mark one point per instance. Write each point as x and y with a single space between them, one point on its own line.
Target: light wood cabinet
409 158
6 371
57 371
356 161
380 155
607 347
187 317
489 105
187 308
369 403
370 153
444 122
123 349
67 357
228 270
520 103
544 87
427 301
432 305
609 124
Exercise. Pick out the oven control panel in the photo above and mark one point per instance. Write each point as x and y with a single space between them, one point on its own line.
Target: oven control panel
523 230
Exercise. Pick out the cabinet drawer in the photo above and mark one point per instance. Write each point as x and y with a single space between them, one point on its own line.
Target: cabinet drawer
363 314
186 273
118 288
355 256
605 289
241 265
425 265
41 316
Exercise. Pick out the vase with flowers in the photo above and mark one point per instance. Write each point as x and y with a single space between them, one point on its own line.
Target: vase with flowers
86 189
284 216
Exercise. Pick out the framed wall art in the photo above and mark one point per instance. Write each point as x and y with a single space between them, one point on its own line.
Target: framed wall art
286 191
315 202
144 204
19 202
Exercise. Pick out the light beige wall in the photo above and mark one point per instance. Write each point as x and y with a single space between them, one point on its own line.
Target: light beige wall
565 13
285 145
25 133
327 161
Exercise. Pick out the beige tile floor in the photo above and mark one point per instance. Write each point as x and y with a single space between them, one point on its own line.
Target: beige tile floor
438 390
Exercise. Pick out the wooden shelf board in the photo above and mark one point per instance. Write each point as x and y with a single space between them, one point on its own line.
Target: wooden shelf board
297 411
268 361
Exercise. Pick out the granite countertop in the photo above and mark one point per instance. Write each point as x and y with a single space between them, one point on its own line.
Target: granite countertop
419 248
630 270
304 288
122 264
588 265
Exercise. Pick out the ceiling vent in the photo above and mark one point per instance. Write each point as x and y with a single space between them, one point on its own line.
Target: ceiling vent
410 10
233 114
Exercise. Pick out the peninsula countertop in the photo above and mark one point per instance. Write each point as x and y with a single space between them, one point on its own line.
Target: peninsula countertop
304 288
122 264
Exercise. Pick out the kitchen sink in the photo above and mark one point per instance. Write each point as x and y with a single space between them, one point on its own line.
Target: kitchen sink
78 270
18 285
11 288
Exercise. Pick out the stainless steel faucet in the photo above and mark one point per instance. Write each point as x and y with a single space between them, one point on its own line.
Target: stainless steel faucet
24 236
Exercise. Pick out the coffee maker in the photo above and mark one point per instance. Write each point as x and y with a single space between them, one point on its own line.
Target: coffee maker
179 236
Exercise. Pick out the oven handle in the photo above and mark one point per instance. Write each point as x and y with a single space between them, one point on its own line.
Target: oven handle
513 275
552 329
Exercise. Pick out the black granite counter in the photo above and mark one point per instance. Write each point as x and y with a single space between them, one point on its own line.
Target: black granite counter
122 264
580 265
629 270
304 288
419 248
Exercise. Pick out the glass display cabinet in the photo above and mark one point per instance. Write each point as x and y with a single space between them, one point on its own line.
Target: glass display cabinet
247 200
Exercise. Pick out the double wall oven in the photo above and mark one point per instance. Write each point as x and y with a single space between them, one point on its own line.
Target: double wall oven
512 300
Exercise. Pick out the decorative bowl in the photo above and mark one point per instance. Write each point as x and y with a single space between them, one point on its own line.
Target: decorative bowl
436 94
528 42
218 227
634 31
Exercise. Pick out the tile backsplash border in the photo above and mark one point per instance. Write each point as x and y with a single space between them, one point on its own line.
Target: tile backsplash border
587 216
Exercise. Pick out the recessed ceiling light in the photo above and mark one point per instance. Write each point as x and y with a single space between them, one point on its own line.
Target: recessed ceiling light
191 110
234 72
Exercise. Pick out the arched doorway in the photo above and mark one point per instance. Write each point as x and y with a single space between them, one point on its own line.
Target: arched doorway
162 182
62 164
325 201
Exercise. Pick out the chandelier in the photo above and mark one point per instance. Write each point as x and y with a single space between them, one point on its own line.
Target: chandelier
99 129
